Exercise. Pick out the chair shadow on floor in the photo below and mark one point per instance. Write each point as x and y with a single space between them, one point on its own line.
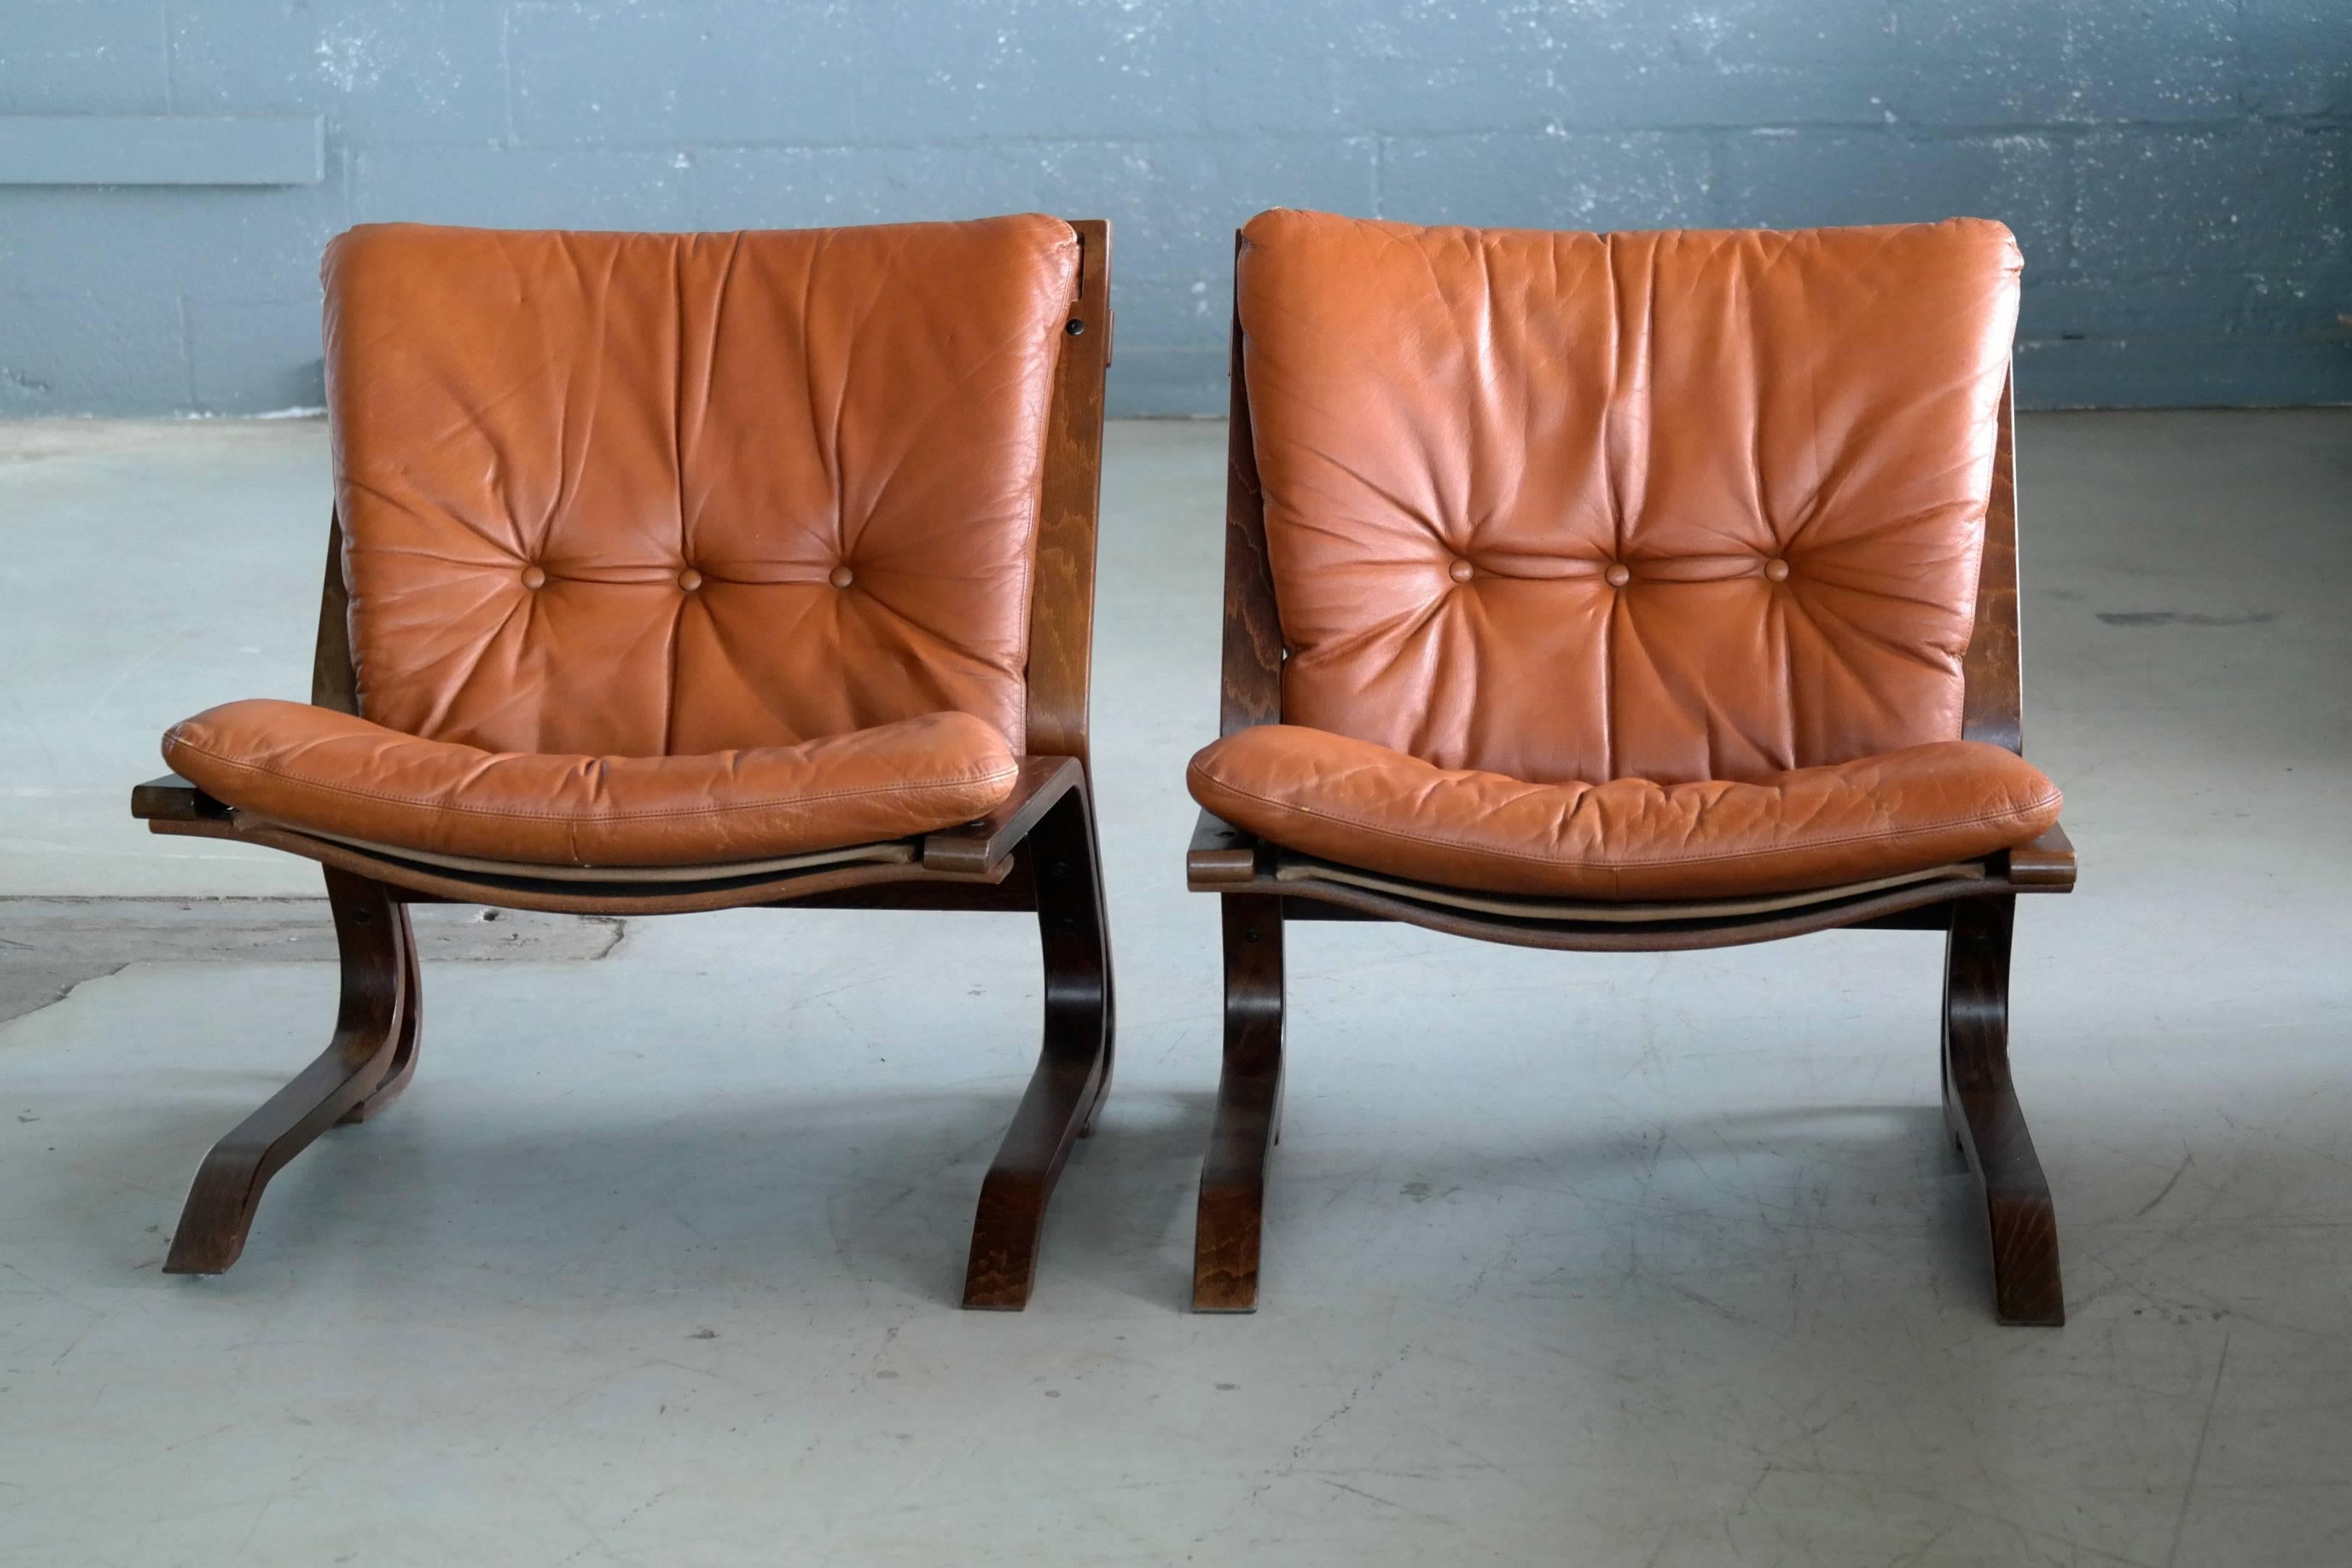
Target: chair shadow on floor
774 1188
767 1187
1741 1190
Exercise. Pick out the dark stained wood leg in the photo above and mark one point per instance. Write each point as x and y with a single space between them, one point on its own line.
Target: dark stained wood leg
1074 1070
1249 1110
1953 1128
379 974
1982 1105
412 1026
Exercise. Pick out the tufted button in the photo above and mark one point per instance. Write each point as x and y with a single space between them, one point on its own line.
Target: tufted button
1777 569
1462 571
689 579
532 577
841 577
1617 575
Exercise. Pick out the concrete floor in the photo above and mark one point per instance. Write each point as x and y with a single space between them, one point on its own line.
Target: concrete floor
1571 1258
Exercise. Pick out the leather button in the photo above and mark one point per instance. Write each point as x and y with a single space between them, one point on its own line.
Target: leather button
532 577
841 577
689 579
1777 569
1618 575
1462 571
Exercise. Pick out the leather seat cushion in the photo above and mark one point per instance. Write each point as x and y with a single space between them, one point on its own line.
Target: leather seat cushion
1363 805
330 772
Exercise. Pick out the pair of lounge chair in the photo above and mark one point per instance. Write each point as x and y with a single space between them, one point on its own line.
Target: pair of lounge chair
1621 593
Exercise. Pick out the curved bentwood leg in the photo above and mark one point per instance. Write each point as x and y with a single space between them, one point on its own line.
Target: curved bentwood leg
1074 1070
1981 1104
1249 1110
374 1050
406 1037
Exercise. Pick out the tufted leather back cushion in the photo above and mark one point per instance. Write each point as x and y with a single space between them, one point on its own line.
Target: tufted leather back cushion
1675 506
647 494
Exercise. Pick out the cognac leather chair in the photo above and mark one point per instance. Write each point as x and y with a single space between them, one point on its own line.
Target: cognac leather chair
1623 592
676 572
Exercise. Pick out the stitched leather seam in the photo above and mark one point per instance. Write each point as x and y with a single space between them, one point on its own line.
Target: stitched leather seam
1656 861
605 816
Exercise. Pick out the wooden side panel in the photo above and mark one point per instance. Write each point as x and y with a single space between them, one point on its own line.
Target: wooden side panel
1251 683
1061 602
334 683
1993 668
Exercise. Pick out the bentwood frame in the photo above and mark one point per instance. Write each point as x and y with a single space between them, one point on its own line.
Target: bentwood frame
1036 852
1260 897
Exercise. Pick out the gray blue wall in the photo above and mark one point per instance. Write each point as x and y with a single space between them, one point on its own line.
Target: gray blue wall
2179 171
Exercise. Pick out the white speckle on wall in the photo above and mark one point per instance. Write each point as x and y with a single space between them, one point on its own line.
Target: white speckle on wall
348 57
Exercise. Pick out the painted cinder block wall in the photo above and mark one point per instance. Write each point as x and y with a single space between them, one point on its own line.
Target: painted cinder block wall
2179 171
